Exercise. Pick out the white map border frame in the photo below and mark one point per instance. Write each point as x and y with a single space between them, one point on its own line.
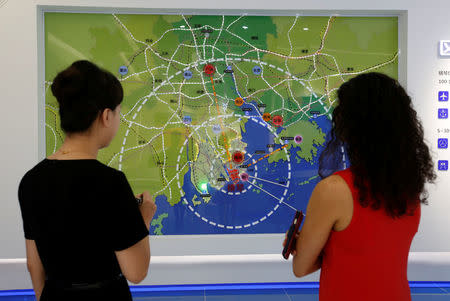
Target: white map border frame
213 244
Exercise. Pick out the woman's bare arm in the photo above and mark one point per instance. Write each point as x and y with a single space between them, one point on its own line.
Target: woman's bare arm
35 267
325 208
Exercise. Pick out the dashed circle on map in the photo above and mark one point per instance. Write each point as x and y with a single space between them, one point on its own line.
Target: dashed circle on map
238 188
239 181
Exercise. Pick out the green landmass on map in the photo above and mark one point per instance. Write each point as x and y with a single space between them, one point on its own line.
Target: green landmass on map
157 223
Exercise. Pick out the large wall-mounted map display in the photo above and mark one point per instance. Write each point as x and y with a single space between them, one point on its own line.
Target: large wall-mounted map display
224 117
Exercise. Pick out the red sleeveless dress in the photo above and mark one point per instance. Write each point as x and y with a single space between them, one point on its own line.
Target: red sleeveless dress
368 260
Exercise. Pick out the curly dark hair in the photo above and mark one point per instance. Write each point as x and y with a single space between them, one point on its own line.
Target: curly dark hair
379 129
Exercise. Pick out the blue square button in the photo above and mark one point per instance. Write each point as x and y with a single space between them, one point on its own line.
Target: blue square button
443 95
443 165
443 143
443 113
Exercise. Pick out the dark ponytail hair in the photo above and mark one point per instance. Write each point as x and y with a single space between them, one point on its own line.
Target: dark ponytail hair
378 127
83 91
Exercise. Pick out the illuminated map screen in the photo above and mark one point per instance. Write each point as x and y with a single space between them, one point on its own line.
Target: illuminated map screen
224 117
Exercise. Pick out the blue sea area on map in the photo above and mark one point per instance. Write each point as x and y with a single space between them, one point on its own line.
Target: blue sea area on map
254 204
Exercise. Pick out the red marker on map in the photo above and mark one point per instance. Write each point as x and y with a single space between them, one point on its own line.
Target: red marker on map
209 69
277 120
238 157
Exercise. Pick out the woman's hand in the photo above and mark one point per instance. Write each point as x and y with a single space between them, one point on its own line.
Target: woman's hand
147 208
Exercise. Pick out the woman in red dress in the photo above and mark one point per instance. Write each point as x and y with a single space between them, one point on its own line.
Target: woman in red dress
360 221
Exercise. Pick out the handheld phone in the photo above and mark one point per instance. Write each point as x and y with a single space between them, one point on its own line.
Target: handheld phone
293 230
140 200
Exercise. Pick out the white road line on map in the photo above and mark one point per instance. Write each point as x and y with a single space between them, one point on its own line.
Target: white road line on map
218 36
193 36
322 44
235 82
235 21
131 75
287 67
134 106
204 49
268 181
263 190
289 206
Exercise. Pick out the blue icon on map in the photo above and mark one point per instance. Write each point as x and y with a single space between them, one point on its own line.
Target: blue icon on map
187 119
257 70
443 113
314 114
187 74
123 70
443 143
443 95
443 165
216 129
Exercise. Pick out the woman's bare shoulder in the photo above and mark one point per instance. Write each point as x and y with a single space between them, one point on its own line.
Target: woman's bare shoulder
334 186
334 195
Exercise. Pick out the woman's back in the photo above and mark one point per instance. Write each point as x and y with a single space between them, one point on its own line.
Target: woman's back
79 212
368 260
